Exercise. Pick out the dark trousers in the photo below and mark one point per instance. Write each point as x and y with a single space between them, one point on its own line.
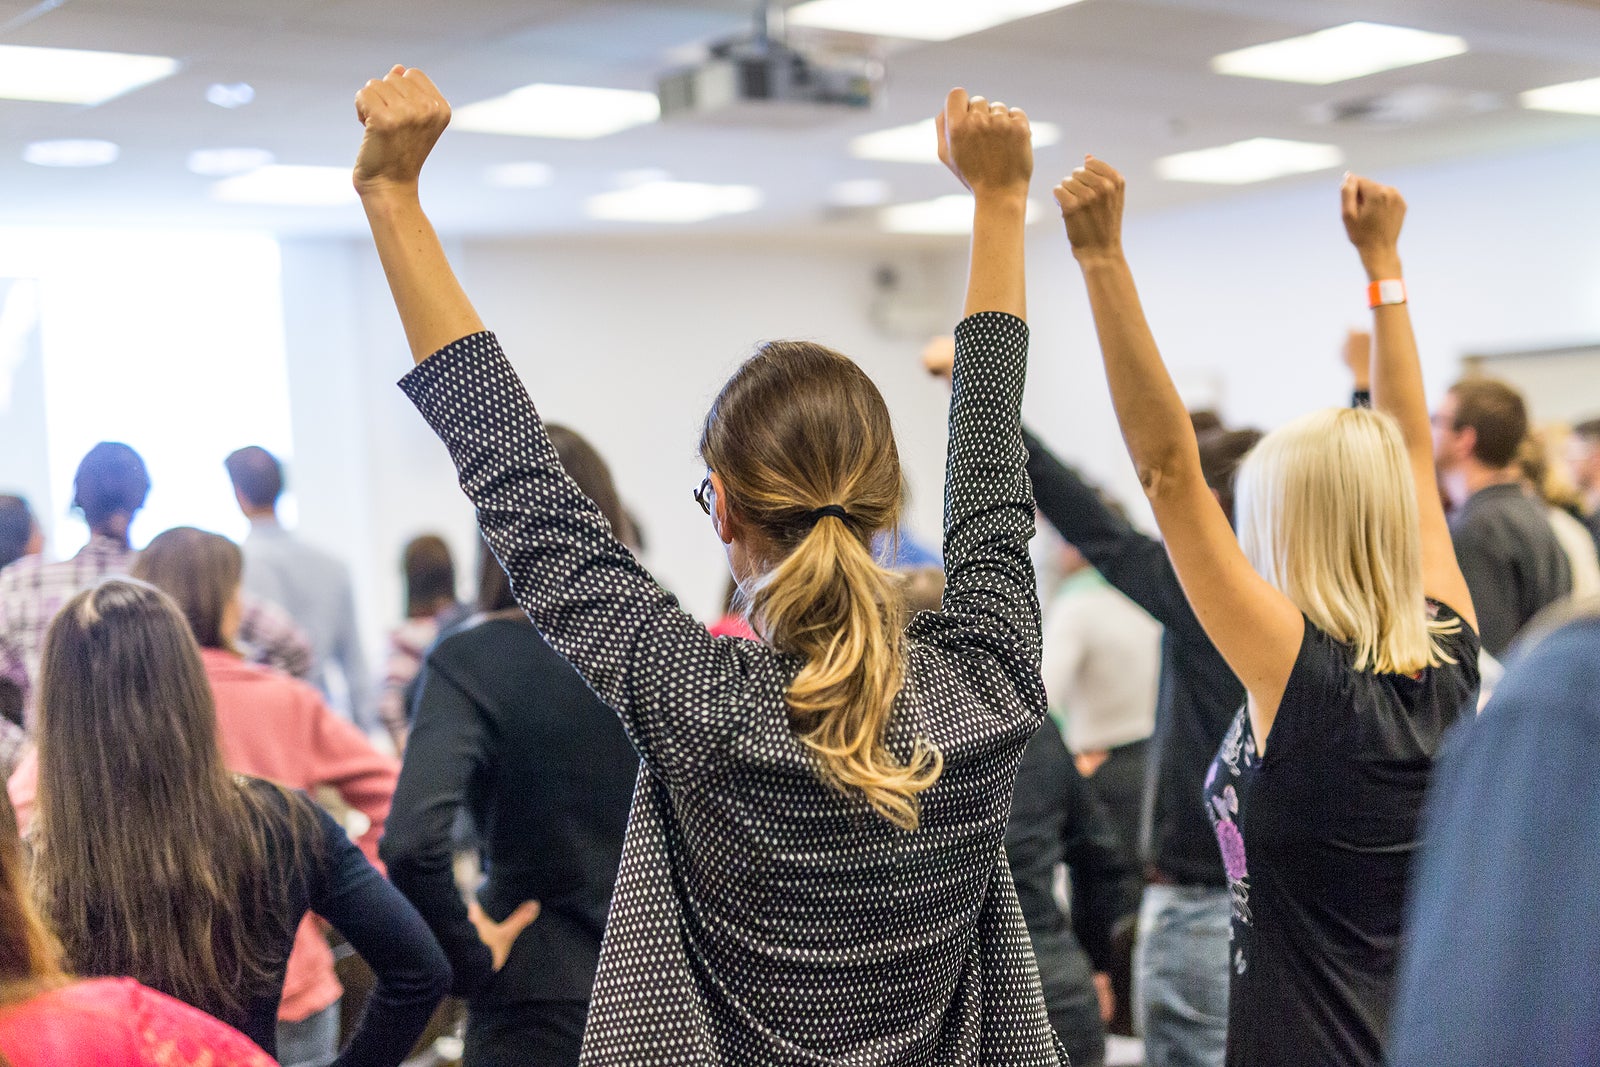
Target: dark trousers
545 1033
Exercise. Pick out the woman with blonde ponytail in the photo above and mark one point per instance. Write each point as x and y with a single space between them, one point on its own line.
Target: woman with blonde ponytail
813 872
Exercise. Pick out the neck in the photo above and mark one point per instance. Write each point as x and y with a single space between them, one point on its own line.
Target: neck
114 528
1472 476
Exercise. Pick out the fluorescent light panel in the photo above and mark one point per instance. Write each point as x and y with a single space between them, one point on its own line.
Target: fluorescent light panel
73 76
1577 98
1353 50
523 175
70 153
1256 160
293 186
919 20
919 142
667 201
942 215
573 112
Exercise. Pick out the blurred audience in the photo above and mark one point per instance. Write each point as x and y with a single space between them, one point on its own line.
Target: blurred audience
429 573
1503 957
108 490
19 530
506 730
1583 458
1514 563
311 585
152 860
48 1019
1561 509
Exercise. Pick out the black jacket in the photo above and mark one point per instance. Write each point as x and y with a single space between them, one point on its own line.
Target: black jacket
1199 695
505 728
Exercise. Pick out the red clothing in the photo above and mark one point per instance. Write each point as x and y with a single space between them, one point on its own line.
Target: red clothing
116 1022
274 727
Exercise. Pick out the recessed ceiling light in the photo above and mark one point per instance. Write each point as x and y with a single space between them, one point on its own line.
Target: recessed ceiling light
673 202
920 20
1577 98
859 192
73 76
224 162
576 112
1353 50
919 142
524 175
950 214
298 186
230 96
1256 160
70 153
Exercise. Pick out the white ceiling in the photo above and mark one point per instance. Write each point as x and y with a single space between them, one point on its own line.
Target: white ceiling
1126 79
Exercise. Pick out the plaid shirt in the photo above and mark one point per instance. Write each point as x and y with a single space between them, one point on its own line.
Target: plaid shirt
32 591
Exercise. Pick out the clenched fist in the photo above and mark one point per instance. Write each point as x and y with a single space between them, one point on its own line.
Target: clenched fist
403 114
1373 215
1091 201
988 146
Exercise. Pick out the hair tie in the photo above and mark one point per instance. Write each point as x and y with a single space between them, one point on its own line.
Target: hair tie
814 517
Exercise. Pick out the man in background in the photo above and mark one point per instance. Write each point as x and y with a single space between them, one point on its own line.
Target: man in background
311 585
1513 563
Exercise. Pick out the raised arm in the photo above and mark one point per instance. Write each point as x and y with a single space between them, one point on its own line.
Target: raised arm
1373 215
990 600
1256 628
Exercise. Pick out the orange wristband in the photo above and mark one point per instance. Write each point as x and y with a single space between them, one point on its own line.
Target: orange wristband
1387 291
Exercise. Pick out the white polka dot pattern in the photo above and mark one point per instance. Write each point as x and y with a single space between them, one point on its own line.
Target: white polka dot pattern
760 917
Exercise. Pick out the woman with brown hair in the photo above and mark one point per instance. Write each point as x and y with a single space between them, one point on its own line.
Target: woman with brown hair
152 860
47 1019
813 871
431 607
269 726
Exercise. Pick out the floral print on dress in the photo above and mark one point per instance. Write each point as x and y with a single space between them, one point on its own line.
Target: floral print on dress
1238 753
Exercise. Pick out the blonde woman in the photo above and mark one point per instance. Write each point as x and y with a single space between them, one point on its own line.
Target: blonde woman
1342 610
813 871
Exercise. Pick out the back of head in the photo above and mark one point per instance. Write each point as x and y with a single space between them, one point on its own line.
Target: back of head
1497 415
1221 453
16 528
585 466
430 573
494 586
151 860
200 571
111 481
257 476
1327 513
800 428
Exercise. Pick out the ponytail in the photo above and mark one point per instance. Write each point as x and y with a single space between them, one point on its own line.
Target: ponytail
829 602
802 441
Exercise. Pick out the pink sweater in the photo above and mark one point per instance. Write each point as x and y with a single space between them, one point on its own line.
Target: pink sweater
271 726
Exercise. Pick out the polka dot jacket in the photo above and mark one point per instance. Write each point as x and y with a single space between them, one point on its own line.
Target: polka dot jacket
761 918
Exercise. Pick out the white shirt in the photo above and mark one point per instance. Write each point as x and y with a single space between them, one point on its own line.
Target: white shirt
1102 661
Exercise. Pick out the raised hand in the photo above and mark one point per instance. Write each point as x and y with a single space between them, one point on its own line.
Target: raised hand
1373 215
939 357
500 936
987 146
1357 356
403 114
1091 201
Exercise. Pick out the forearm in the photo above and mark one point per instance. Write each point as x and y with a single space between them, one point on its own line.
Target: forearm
995 277
1155 424
433 307
1397 387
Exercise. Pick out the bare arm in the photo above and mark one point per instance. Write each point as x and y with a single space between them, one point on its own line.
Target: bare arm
1257 629
404 114
1373 215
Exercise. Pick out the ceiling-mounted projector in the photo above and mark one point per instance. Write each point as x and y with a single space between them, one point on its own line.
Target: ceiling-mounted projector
762 80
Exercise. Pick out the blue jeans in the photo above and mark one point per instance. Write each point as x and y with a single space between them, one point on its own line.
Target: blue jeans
1180 975
311 1042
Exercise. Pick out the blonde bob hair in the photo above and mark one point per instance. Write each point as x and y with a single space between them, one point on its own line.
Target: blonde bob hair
1326 511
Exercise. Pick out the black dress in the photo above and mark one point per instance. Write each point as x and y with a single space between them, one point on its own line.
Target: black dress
1317 838
761 917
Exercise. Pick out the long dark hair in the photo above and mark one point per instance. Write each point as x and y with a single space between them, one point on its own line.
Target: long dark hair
30 956
800 427
151 859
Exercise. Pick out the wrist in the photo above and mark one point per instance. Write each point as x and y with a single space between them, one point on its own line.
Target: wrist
1381 264
1003 199
385 193
1099 256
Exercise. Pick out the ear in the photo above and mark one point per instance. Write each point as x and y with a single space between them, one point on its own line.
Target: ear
1466 442
722 516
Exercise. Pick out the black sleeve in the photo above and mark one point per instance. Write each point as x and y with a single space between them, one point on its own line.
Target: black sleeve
1361 398
446 751
1133 562
387 932
1105 875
